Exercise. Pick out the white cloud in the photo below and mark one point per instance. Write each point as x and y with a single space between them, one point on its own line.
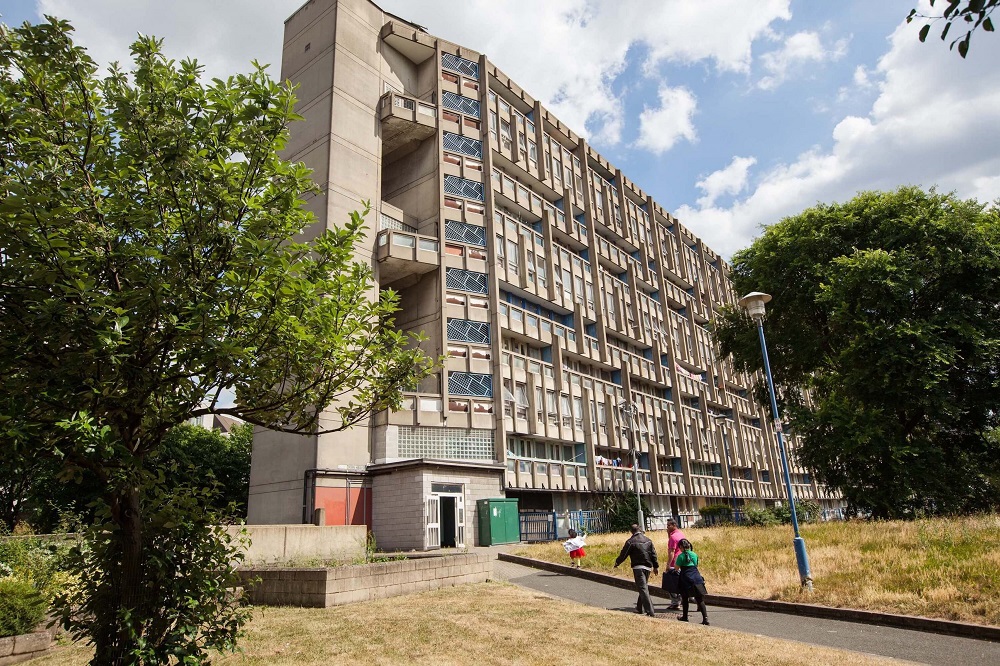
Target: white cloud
861 78
224 36
568 53
799 49
730 180
673 120
933 123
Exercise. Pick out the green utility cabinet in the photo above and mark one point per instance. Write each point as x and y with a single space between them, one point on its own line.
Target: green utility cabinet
499 521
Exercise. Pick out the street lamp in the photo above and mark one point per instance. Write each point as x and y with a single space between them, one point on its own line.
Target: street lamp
628 413
754 303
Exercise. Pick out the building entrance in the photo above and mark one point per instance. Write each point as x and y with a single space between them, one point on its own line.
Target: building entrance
445 516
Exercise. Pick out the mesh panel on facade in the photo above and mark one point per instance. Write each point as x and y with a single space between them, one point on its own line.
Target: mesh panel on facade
453 443
465 233
475 384
466 105
463 330
462 280
463 187
460 65
463 144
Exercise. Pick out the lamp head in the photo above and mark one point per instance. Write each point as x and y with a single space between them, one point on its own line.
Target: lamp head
753 303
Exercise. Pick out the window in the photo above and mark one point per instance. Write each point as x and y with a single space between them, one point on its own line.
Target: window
521 400
449 116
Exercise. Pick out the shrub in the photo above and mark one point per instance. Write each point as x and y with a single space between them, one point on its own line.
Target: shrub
715 514
807 511
756 516
35 561
184 607
622 511
22 607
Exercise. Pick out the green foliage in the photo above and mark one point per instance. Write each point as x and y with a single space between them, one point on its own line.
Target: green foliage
622 510
758 516
715 514
42 563
884 346
151 264
182 604
974 14
22 607
202 454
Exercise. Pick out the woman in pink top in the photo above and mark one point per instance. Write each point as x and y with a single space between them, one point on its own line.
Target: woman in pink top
673 550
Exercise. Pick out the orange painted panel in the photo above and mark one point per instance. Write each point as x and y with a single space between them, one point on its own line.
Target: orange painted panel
345 506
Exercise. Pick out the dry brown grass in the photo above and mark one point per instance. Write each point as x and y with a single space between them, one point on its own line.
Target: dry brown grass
494 623
944 568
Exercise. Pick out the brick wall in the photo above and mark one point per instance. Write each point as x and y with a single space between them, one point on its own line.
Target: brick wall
398 505
322 588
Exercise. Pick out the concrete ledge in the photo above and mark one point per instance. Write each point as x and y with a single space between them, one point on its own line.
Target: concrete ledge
15 649
964 629
284 543
325 587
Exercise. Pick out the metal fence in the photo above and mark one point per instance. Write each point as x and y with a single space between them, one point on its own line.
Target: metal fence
538 525
588 522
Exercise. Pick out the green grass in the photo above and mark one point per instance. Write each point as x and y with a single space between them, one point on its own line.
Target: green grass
944 568
493 624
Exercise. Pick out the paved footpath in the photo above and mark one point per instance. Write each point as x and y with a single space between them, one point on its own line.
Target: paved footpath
906 644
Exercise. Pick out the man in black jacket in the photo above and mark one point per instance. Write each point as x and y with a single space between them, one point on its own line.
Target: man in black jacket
642 554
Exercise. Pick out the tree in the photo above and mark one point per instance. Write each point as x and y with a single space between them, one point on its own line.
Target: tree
203 454
974 14
149 266
884 344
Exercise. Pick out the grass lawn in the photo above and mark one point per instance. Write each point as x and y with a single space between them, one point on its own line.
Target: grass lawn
944 568
494 623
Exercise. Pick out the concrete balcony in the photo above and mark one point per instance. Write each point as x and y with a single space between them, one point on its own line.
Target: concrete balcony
406 121
544 475
402 254
672 483
744 488
620 479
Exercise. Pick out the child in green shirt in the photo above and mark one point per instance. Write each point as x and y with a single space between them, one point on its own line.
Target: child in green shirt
691 584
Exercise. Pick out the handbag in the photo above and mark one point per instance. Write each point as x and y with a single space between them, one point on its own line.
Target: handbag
672 581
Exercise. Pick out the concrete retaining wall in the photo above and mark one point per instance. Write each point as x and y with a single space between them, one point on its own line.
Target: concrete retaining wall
15 649
285 543
322 588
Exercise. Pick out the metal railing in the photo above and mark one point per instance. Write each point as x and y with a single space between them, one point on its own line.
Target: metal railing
538 525
588 522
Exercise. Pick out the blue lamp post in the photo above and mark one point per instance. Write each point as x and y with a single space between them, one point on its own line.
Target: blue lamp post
754 303
628 411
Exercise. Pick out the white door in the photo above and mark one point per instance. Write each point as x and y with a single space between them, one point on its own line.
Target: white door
460 521
432 522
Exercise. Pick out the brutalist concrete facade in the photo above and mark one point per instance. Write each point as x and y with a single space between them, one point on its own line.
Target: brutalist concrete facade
558 290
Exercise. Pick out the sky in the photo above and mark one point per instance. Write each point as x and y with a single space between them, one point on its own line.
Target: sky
731 114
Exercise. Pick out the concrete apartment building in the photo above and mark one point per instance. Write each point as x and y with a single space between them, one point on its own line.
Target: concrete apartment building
557 289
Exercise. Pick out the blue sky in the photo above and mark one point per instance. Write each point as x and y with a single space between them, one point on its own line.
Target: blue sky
732 114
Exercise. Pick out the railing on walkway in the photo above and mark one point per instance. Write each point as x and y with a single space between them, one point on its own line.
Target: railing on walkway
538 525
588 522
